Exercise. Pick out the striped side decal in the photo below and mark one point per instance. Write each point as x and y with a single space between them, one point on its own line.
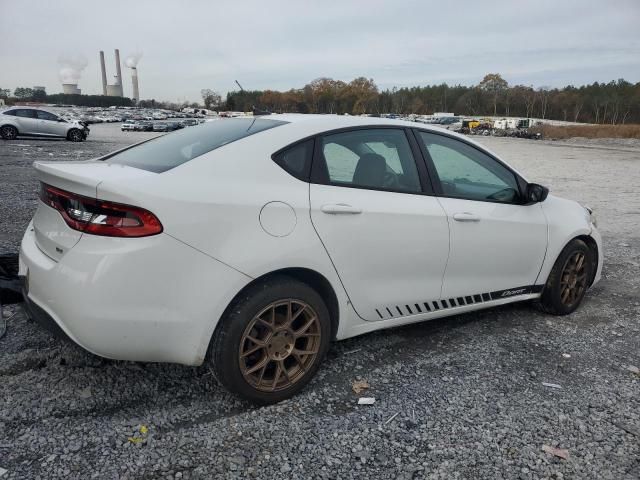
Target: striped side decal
397 311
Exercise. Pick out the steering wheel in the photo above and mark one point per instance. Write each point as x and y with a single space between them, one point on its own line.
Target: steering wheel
390 180
504 195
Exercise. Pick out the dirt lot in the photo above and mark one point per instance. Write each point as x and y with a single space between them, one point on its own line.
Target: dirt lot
456 398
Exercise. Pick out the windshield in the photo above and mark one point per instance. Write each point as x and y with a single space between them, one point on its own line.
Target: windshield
169 151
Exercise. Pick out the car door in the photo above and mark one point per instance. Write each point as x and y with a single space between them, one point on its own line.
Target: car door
27 121
50 124
47 122
386 235
498 243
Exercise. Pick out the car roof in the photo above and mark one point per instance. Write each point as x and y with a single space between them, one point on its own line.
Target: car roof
305 125
336 121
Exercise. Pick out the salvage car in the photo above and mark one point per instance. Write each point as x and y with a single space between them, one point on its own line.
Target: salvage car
35 122
161 127
251 243
144 126
128 126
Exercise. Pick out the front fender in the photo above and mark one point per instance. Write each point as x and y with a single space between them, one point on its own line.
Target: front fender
566 220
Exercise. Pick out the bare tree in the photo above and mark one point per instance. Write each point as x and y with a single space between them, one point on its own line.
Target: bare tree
543 96
211 98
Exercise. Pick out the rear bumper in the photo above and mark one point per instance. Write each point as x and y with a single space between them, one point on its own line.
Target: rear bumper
40 316
149 299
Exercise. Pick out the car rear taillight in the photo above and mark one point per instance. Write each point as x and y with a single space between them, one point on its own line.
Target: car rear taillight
99 217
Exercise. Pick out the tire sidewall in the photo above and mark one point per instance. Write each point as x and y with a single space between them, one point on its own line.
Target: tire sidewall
226 341
14 129
71 134
552 293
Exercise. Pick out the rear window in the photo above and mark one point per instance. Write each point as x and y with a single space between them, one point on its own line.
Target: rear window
169 151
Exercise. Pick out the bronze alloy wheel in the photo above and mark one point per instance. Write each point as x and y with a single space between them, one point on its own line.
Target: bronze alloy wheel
573 281
279 345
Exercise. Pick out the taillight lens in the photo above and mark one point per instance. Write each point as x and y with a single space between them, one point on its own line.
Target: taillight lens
99 217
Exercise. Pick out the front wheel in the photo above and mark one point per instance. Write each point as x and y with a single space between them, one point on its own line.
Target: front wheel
9 132
271 341
568 280
75 135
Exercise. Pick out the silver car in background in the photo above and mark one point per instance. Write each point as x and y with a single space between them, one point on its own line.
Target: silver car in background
35 122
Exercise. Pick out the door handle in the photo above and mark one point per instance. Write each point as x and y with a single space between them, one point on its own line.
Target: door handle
340 209
466 217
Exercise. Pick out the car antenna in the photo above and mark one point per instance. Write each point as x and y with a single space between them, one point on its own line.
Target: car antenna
256 111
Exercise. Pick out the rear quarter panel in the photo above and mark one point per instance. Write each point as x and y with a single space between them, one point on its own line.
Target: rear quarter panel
213 204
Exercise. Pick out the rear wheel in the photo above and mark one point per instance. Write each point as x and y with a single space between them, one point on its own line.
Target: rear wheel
8 132
568 280
75 135
272 340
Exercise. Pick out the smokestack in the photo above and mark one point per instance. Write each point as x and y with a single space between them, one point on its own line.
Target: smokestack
118 72
104 73
134 81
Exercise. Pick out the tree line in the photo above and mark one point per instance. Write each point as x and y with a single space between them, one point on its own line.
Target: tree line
616 102
25 94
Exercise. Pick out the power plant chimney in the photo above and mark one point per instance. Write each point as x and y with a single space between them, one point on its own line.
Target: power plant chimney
118 72
134 81
104 73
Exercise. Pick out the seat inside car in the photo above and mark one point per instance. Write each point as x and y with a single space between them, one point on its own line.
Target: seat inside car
370 170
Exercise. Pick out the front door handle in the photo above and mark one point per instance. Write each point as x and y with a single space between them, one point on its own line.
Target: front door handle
340 209
466 217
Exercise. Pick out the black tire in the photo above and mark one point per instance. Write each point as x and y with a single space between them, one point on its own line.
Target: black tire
75 135
9 132
556 299
231 334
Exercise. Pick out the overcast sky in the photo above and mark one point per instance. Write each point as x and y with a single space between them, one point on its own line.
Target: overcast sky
190 45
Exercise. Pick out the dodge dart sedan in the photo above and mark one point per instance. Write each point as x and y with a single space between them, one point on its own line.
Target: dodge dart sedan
252 243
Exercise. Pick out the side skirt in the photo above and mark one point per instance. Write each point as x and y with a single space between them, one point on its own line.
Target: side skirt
366 327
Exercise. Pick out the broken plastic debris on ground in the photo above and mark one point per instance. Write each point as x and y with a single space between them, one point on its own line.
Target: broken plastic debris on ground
140 436
359 385
556 452
551 385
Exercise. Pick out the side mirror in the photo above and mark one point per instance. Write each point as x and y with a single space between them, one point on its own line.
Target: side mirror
536 193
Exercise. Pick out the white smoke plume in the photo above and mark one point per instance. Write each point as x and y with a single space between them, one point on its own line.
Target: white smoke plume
133 59
71 67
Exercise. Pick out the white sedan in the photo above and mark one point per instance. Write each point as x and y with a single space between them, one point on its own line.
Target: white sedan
251 243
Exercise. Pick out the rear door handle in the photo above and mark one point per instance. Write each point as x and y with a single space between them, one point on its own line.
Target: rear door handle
466 217
340 209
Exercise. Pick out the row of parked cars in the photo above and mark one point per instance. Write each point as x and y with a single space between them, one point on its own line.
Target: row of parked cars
91 115
149 126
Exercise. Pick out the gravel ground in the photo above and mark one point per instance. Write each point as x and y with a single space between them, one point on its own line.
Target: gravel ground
455 398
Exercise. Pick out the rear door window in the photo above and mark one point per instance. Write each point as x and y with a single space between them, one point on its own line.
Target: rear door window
375 158
168 151
26 113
